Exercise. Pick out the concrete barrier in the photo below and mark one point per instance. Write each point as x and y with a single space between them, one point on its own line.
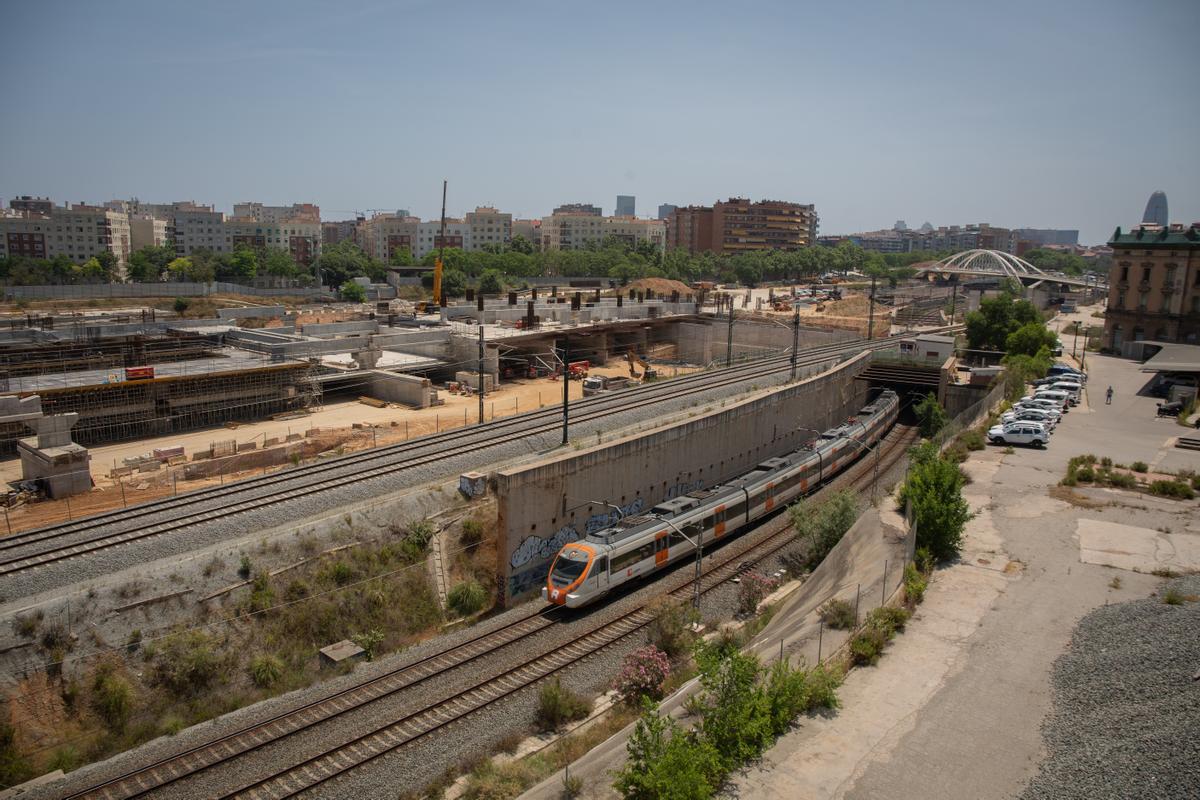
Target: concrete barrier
545 505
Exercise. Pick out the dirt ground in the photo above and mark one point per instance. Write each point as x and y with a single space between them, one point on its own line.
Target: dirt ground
332 424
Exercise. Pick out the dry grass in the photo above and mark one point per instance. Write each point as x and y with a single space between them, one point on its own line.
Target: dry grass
1069 495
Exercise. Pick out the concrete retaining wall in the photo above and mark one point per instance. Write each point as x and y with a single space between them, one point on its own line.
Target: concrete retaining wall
164 289
253 312
545 505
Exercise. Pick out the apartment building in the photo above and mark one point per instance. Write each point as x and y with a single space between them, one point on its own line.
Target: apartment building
739 225
1154 285
579 208
33 205
579 231
344 230
300 237
458 234
382 235
78 232
274 215
488 227
199 228
149 231
531 229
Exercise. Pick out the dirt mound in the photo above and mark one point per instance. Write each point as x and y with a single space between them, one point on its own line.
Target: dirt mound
660 286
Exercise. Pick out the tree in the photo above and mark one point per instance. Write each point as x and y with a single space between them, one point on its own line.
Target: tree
353 292
187 269
931 418
454 283
997 317
822 525
94 272
1028 339
278 263
667 762
520 244
340 262
934 488
109 263
401 257
242 265
490 283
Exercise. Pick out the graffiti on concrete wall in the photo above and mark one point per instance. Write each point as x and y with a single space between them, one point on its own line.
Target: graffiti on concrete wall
680 489
598 522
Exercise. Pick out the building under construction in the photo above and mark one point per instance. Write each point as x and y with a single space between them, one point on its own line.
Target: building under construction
132 387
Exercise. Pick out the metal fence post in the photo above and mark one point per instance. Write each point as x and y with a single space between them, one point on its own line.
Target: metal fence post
857 592
883 590
820 638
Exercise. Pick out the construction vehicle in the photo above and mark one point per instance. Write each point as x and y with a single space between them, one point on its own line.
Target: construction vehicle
648 372
595 384
435 306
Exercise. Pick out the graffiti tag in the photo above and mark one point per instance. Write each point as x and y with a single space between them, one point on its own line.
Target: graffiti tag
598 522
683 488
540 547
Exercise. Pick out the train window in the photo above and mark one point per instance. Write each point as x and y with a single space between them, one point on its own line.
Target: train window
625 560
736 510
675 539
660 544
601 565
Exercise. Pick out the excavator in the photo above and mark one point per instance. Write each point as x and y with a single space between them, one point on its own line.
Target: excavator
435 306
648 372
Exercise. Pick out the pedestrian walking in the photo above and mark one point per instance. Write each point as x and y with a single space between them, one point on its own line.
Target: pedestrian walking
1108 397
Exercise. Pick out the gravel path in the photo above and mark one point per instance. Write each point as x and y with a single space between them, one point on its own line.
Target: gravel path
1126 719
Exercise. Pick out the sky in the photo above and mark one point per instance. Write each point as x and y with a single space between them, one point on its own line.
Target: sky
1059 114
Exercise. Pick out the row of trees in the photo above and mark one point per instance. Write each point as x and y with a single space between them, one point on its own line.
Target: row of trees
1069 263
1008 324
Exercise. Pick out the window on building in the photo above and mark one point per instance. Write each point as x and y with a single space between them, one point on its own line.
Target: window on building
1146 274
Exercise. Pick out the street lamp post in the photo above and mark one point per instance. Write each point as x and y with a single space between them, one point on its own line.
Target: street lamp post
698 543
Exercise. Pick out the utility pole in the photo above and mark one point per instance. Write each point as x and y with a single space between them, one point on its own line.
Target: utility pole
870 312
441 293
729 336
795 341
566 388
953 298
481 375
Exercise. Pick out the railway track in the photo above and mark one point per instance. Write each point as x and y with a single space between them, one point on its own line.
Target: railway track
310 771
35 548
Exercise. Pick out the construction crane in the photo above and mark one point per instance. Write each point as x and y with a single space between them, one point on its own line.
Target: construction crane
436 305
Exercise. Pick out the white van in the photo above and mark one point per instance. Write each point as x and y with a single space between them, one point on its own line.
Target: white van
1070 387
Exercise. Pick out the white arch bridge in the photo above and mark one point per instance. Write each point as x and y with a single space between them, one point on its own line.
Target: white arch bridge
998 264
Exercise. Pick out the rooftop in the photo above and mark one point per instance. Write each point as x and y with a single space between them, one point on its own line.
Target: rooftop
1173 357
1174 234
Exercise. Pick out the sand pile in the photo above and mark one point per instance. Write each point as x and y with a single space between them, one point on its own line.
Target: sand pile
660 286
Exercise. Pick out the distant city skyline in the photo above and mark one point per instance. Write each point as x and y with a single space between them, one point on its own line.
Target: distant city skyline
271 102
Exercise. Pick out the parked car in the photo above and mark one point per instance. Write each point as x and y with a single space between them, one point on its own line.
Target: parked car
1057 350
1059 369
1029 433
1171 409
1063 398
1044 403
1070 387
1046 417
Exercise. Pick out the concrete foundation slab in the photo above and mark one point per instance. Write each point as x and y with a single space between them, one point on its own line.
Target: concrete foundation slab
1133 548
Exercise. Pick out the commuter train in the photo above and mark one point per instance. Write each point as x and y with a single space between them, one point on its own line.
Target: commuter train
586 570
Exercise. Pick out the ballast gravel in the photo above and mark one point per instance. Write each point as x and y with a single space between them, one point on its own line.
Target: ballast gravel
1126 717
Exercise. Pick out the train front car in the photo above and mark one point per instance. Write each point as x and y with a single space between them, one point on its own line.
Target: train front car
573 575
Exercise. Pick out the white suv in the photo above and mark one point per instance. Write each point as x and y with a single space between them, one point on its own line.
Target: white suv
1030 433
1046 417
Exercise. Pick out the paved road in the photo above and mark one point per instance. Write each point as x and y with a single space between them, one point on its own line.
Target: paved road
955 708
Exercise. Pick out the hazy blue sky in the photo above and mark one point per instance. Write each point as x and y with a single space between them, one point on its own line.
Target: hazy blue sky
1051 114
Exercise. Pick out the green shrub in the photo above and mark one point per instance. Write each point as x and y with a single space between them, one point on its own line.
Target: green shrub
66 758
1106 462
1173 597
14 768
26 625
339 573
466 598
1173 488
492 781
670 630
867 646
181 304
558 705
888 619
189 663
266 670
245 568
1085 474
1140 466
838 614
1122 480
1196 481
112 696
934 489
369 641
472 533
822 525
973 439
930 416
416 541
924 560
914 585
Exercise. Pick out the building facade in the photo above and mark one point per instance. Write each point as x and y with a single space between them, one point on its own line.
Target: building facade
307 212
345 230
32 205
664 211
626 206
580 231
1154 285
738 225
531 229
149 231
579 208
78 232
300 238
429 236
383 235
488 227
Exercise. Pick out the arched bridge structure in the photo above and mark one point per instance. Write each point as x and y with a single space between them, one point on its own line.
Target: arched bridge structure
998 264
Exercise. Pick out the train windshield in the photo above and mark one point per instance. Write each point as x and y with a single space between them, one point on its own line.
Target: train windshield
568 567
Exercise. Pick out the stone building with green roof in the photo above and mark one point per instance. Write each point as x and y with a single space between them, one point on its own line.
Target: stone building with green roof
1154 285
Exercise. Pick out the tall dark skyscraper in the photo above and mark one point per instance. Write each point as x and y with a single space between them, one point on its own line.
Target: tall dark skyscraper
1156 209
625 205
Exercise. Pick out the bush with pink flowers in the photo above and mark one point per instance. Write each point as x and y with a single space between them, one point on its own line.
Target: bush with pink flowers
642 675
753 588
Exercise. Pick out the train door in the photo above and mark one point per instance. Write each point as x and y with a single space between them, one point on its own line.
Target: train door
600 572
661 544
717 522
769 496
